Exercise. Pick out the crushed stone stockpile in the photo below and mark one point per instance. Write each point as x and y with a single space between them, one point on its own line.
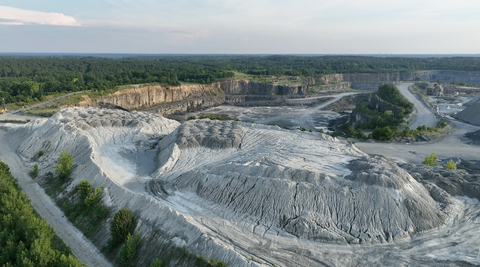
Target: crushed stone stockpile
471 114
237 191
307 185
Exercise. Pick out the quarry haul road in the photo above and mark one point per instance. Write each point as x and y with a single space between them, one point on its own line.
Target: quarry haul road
423 113
450 146
81 247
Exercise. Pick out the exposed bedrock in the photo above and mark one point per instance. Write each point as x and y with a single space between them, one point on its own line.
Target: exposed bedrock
366 81
287 185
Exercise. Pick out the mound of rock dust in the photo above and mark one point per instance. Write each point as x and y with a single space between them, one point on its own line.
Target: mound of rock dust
307 185
246 194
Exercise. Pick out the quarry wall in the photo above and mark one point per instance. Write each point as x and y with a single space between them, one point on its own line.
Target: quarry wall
185 98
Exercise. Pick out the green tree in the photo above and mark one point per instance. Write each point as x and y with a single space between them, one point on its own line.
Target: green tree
25 238
64 165
384 133
123 223
431 160
93 198
451 165
34 172
157 263
129 249
85 189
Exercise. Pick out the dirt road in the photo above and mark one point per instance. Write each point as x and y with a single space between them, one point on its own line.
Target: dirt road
81 247
423 114
450 146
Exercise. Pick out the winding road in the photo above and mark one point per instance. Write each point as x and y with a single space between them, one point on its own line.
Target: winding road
450 146
423 114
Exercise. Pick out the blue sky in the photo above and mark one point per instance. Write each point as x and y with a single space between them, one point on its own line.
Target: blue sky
235 26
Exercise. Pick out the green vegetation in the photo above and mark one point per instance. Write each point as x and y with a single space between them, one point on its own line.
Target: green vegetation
384 133
451 165
40 153
431 160
27 80
129 249
121 226
26 239
64 165
34 173
390 94
89 195
464 84
389 124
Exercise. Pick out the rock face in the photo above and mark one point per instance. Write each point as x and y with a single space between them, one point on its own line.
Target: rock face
372 81
261 173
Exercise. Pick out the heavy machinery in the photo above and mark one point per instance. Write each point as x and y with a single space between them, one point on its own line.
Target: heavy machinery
3 109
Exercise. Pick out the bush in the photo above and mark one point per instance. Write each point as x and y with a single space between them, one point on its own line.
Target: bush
451 165
85 188
64 165
157 263
431 160
384 133
34 172
40 153
93 198
123 223
442 124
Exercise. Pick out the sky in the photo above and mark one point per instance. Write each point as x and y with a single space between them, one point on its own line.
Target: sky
241 26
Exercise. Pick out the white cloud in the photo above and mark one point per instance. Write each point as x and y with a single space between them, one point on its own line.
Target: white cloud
17 16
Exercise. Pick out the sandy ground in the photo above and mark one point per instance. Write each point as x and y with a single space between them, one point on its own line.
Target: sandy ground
81 247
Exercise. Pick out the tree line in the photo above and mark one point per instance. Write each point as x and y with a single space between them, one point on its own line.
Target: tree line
25 238
24 78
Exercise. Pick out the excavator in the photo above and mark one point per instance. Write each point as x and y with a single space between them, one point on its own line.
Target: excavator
3 109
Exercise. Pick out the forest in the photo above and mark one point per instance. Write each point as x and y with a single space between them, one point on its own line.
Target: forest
25 238
25 78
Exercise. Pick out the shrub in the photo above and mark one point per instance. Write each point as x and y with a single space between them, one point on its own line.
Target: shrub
123 223
40 153
64 165
451 165
384 133
34 172
93 198
442 124
431 160
85 188
157 263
